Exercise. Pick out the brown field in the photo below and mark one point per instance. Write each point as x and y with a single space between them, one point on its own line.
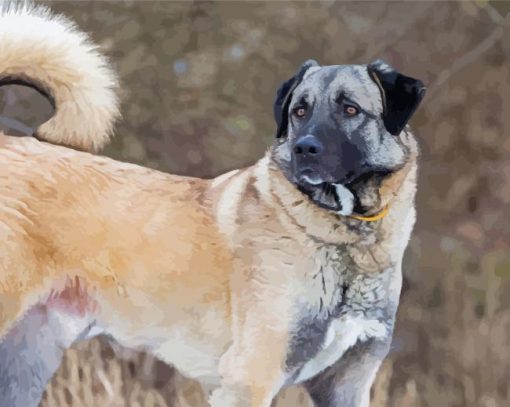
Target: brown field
198 81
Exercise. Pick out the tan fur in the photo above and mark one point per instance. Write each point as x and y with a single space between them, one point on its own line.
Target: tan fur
156 253
153 253
177 266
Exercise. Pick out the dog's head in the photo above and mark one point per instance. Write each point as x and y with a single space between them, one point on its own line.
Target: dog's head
340 132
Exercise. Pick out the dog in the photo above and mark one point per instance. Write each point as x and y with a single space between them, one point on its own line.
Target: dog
285 272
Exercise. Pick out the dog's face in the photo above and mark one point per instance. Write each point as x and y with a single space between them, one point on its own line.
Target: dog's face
340 131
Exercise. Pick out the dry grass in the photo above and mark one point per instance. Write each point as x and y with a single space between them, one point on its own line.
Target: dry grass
93 376
97 373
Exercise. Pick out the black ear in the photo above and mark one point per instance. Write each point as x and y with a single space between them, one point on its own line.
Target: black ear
284 96
400 94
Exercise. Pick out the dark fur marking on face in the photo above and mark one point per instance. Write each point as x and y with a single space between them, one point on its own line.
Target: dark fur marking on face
350 146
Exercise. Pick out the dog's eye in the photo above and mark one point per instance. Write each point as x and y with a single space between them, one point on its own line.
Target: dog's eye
300 111
351 110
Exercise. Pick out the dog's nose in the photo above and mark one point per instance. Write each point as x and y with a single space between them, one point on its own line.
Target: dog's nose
308 145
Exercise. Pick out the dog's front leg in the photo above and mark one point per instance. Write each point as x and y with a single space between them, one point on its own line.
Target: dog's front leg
347 383
253 368
250 378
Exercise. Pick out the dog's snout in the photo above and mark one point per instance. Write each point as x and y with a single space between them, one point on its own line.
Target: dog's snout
308 145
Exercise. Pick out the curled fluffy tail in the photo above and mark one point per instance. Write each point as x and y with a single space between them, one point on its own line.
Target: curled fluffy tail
50 54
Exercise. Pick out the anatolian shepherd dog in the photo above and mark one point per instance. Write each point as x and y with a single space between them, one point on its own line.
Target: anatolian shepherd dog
285 272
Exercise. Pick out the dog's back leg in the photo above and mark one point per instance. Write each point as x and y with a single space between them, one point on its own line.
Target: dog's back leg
32 350
38 321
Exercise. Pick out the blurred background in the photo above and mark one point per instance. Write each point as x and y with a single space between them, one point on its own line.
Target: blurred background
197 85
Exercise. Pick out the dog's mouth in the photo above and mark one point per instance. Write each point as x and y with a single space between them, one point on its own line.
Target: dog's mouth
323 194
355 194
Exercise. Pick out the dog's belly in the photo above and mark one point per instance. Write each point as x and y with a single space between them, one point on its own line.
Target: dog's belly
194 356
194 353
192 340
342 334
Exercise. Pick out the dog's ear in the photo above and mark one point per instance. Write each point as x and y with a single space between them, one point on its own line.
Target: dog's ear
284 96
400 94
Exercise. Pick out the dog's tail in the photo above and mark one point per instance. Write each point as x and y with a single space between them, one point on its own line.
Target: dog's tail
50 54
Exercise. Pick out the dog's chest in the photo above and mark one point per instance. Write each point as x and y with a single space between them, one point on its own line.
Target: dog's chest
345 306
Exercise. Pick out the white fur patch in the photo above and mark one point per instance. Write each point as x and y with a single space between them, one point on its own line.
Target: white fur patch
342 334
262 177
66 327
222 178
194 359
346 199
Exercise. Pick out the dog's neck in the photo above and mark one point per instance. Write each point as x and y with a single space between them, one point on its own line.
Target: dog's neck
327 227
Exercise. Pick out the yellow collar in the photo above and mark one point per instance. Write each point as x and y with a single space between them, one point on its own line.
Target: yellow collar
372 218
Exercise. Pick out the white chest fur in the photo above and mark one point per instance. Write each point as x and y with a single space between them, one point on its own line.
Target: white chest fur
342 334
